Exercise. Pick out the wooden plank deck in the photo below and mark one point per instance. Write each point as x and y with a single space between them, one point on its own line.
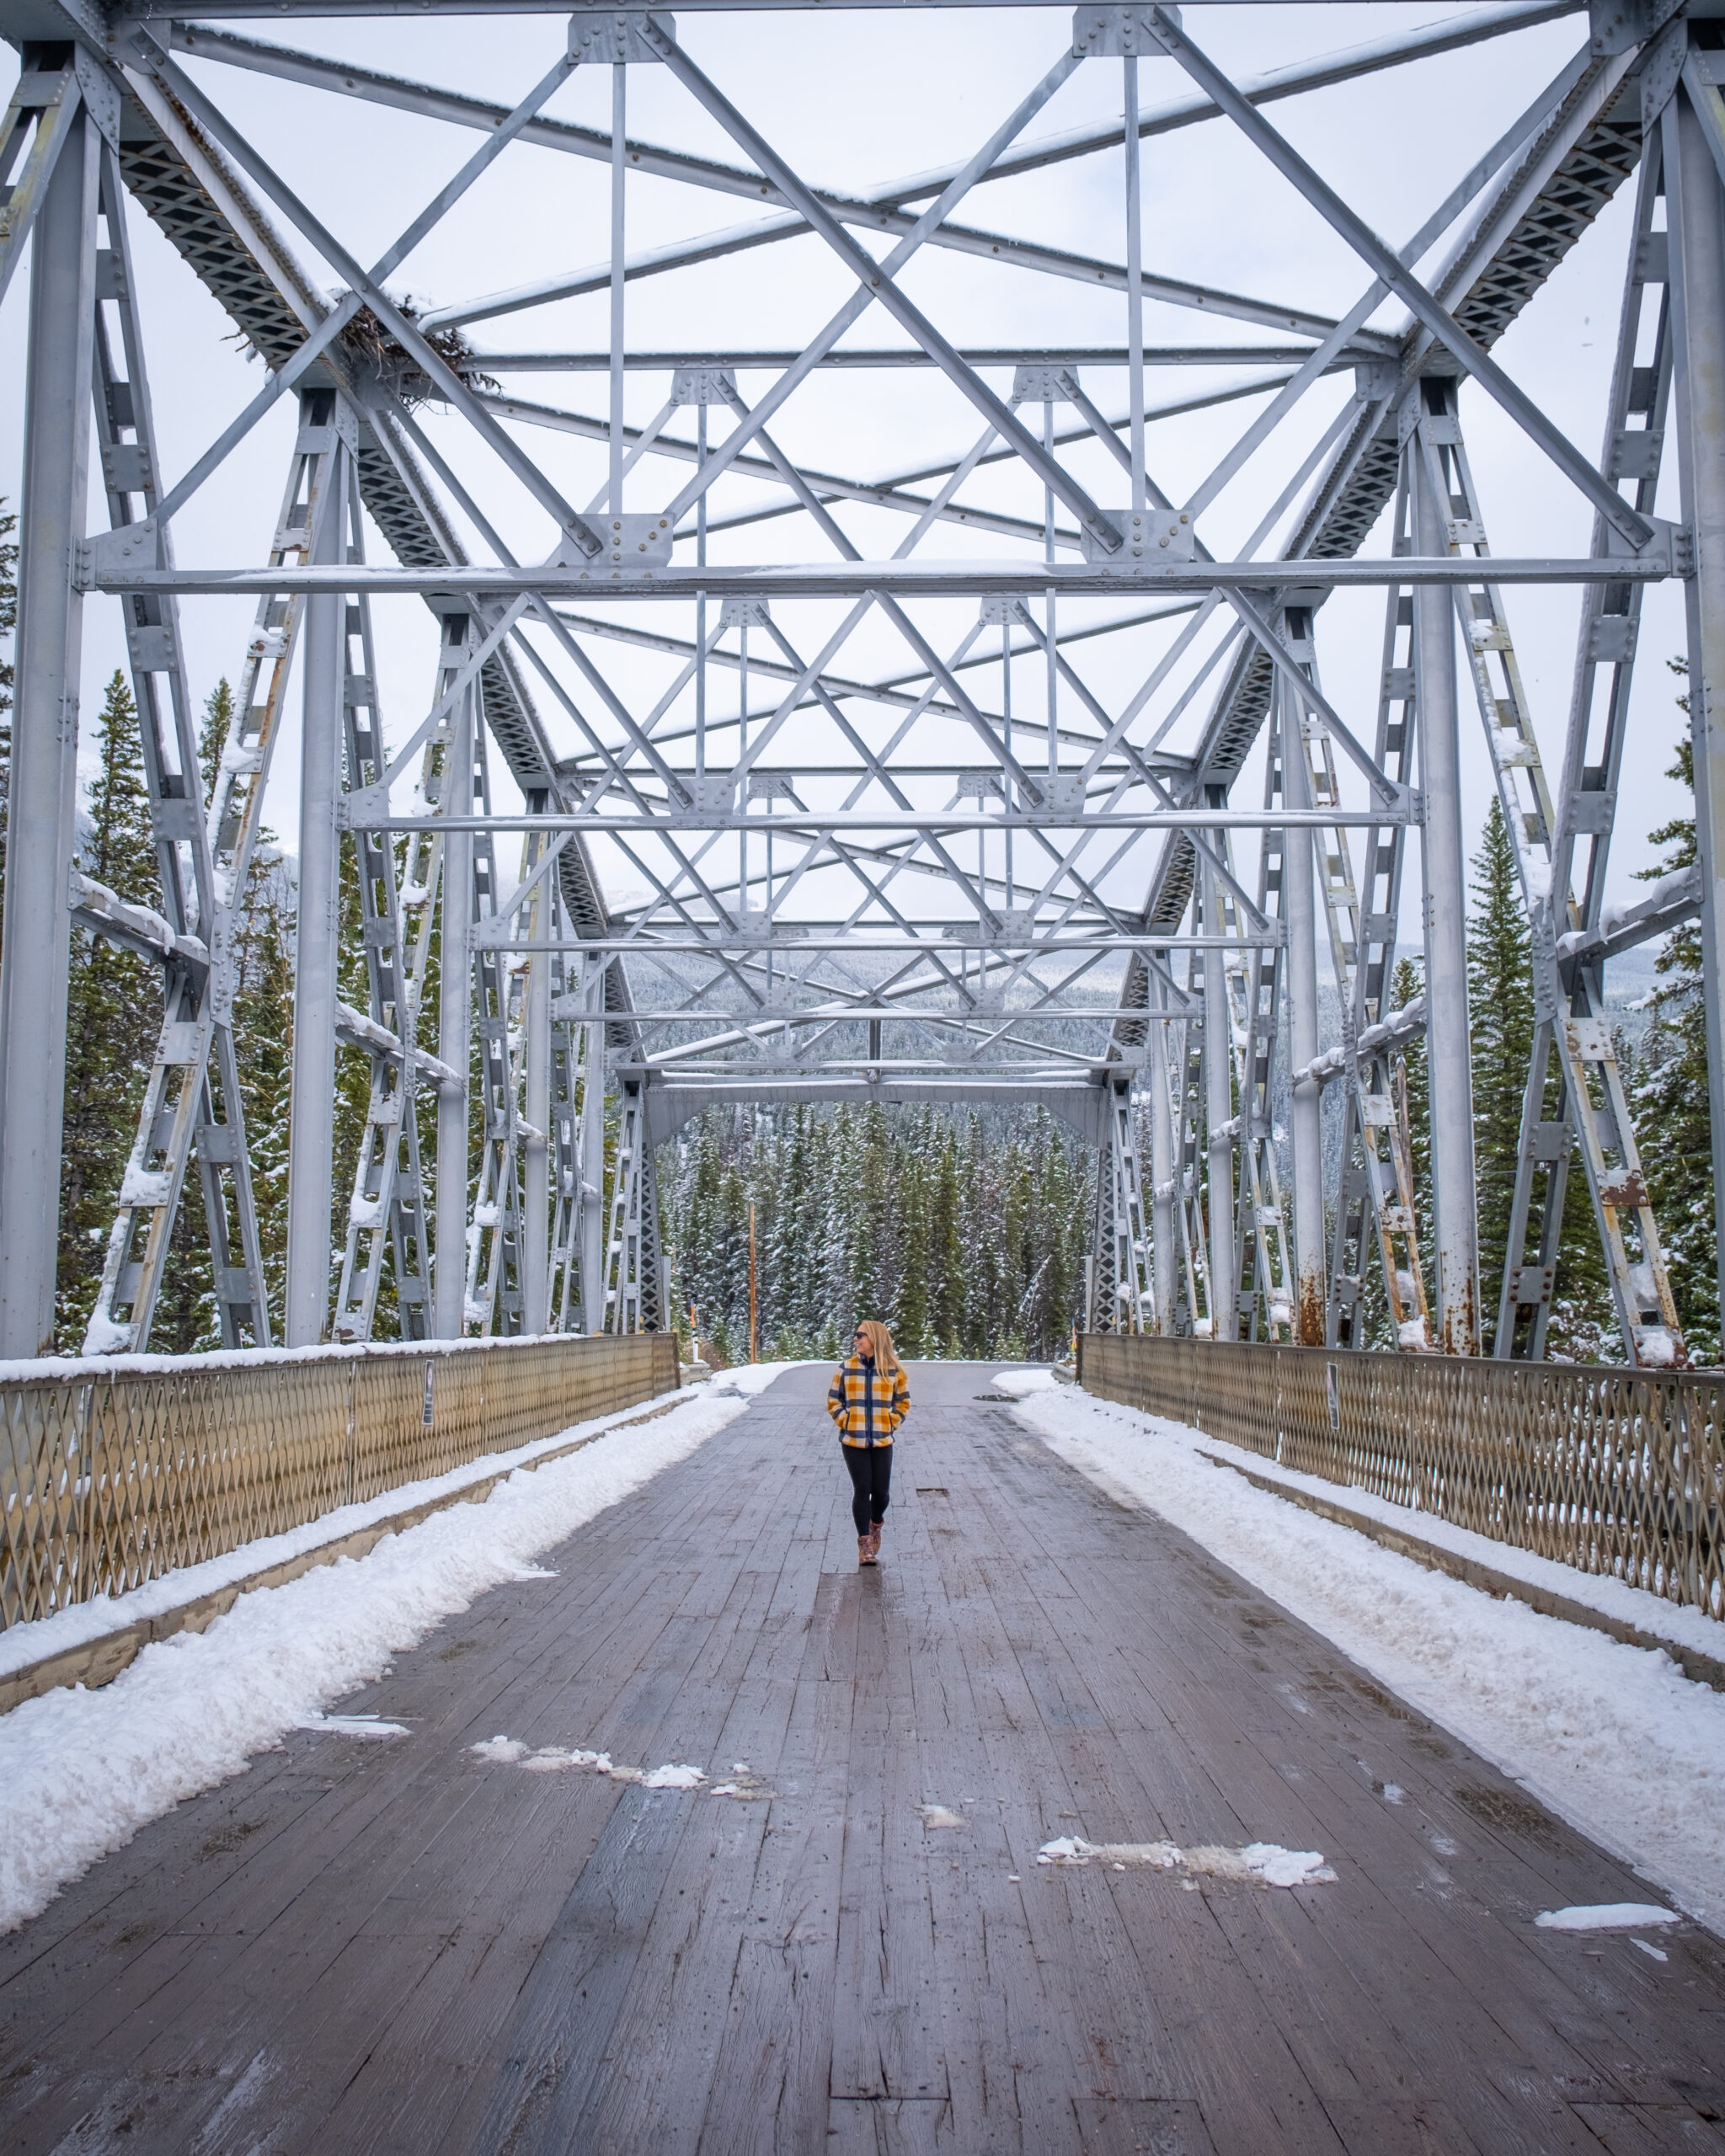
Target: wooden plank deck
371 1946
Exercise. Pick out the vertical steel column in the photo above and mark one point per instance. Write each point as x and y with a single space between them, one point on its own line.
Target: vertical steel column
535 1147
1306 1102
1162 1230
1444 869
41 832
1134 281
311 1144
593 1173
619 167
1218 1121
1698 290
455 1020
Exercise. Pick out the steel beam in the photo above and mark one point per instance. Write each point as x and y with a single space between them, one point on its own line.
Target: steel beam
1305 1105
1698 221
311 1127
907 579
455 1005
1443 868
41 807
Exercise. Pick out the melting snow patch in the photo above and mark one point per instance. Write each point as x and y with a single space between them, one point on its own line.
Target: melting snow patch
1653 1953
674 1778
741 1783
1606 1916
940 1815
353 1726
1021 1383
1259 1863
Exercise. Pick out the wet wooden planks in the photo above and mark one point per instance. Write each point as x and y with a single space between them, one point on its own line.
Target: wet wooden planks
403 1947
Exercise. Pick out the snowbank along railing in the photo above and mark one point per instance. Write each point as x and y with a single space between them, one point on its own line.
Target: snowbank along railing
1614 1471
109 1477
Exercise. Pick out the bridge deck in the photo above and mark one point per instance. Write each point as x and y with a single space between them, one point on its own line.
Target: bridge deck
399 1946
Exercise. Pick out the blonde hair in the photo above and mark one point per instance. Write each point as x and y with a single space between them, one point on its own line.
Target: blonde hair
886 1360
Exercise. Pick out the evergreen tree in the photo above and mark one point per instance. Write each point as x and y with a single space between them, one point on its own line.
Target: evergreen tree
1500 1026
113 1010
212 735
909 1321
1413 1082
788 1245
946 1288
263 1022
1670 1098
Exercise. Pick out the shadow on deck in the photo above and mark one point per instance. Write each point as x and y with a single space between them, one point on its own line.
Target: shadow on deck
372 1946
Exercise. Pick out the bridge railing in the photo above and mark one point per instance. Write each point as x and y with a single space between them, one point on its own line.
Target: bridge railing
113 1474
1616 1472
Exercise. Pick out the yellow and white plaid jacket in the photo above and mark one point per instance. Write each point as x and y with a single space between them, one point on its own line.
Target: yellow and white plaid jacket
867 1407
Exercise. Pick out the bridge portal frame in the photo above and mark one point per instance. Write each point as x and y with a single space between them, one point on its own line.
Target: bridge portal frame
562 999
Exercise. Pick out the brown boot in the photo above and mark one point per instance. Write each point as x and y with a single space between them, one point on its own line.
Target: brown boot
874 1543
865 1549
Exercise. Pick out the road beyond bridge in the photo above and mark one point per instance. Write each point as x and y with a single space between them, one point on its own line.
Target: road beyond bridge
401 1945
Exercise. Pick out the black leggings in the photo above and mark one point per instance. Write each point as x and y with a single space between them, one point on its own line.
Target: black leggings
871 1480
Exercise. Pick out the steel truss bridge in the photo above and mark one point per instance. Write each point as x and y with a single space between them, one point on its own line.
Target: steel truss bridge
883 837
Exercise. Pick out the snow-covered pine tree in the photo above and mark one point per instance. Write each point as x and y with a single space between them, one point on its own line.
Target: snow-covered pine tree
876 1221
1670 1096
790 1245
263 1024
697 1228
353 1082
911 1196
212 734
1500 1025
1407 985
731 1266
841 1167
765 1160
114 1010
1059 1208
945 1289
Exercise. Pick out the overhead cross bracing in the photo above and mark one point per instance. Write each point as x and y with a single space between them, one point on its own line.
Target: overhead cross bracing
964 738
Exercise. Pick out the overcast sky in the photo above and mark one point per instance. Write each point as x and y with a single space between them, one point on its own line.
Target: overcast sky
853 99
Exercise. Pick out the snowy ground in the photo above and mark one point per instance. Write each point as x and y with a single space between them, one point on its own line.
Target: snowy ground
80 1771
1613 1738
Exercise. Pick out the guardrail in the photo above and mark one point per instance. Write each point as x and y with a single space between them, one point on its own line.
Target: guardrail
1616 1472
112 1473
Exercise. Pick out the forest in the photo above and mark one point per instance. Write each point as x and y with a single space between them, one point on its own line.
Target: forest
965 1231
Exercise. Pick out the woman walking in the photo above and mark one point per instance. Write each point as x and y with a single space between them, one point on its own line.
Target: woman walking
868 1400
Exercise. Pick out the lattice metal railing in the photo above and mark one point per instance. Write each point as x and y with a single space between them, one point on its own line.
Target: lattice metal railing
1615 1471
109 1478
